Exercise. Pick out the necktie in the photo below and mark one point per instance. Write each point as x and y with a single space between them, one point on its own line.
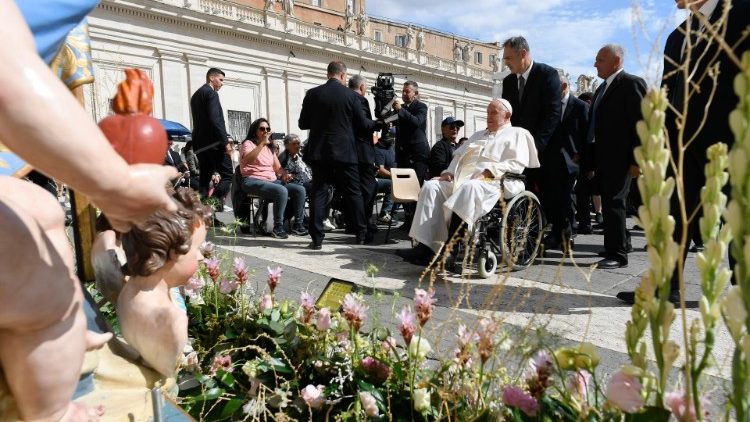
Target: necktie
521 86
592 122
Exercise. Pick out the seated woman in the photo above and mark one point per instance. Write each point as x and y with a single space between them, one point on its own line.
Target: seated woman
260 168
291 161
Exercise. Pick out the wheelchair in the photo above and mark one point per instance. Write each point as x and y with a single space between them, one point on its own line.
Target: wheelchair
510 233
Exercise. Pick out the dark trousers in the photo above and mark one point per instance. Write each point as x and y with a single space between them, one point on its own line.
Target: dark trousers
209 162
345 178
694 179
557 191
584 190
368 187
614 201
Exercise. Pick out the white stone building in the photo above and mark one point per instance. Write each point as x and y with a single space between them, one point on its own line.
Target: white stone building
270 59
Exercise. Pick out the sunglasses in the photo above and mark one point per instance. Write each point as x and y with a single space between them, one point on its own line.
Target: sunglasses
264 129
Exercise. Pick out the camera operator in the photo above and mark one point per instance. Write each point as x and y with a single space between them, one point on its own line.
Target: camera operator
412 149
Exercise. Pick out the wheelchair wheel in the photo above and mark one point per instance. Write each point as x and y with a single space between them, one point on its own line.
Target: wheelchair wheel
522 230
487 264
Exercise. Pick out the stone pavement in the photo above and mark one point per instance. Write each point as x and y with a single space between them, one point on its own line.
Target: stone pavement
563 297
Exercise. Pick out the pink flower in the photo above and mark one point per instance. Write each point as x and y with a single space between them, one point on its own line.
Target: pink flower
274 275
240 271
193 286
376 368
487 328
307 304
354 311
539 373
207 249
683 411
313 395
424 304
221 362
515 397
624 392
406 324
466 336
266 302
388 344
578 384
228 286
324 320
212 267
369 404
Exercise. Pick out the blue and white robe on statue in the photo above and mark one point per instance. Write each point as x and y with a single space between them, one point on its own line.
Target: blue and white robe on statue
509 150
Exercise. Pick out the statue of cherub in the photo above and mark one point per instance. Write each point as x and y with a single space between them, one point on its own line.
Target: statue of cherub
162 253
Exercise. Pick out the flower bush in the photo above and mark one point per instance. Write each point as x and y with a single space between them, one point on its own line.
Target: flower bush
256 357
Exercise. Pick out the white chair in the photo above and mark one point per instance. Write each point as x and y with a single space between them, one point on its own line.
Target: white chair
404 189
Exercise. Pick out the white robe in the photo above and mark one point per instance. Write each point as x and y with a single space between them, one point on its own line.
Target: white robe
509 150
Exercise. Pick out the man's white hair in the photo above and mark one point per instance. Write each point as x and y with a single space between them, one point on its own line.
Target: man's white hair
615 50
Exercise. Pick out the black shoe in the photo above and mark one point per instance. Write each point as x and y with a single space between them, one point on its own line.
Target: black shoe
404 227
599 218
407 254
300 231
608 264
279 233
697 248
627 297
637 228
315 246
602 254
629 248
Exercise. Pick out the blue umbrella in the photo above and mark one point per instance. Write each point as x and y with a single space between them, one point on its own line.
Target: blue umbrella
174 128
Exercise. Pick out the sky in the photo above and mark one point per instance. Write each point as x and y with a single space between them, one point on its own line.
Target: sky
565 34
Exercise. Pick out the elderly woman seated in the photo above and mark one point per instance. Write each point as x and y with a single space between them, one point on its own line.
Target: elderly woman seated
291 161
263 176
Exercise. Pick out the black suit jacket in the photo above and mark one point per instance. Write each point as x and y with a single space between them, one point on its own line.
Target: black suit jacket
332 112
412 126
365 147
441 156
209 128
569 139
173 159
539 109
716 127
615 136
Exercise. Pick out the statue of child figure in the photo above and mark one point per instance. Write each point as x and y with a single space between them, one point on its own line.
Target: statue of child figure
162 253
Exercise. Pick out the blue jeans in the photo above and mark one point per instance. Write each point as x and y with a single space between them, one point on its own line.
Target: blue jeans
278 193
384 186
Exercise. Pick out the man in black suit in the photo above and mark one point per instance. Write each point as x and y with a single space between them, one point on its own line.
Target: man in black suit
209 130
365 151
706 120
614 113
561 159
412 149
533 90
332 112
441 153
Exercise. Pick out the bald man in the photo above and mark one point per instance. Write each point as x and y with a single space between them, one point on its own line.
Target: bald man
472 184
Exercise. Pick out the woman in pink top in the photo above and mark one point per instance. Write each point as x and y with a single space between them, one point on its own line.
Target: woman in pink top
263 176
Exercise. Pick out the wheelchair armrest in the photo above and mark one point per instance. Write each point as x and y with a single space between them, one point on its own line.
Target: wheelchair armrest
514 176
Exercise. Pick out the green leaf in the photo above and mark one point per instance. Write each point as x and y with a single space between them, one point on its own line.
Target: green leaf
211 394
230 334
226 378
230 408
275 315
649 414
276 327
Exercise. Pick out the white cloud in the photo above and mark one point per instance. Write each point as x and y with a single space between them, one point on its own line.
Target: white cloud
563 33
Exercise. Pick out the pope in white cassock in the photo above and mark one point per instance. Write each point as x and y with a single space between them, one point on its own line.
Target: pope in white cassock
471 185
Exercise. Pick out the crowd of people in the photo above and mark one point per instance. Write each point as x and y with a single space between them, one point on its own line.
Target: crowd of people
584 148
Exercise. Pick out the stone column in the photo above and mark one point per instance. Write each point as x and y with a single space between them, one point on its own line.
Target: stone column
276 99
197 66
174 86
295 93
